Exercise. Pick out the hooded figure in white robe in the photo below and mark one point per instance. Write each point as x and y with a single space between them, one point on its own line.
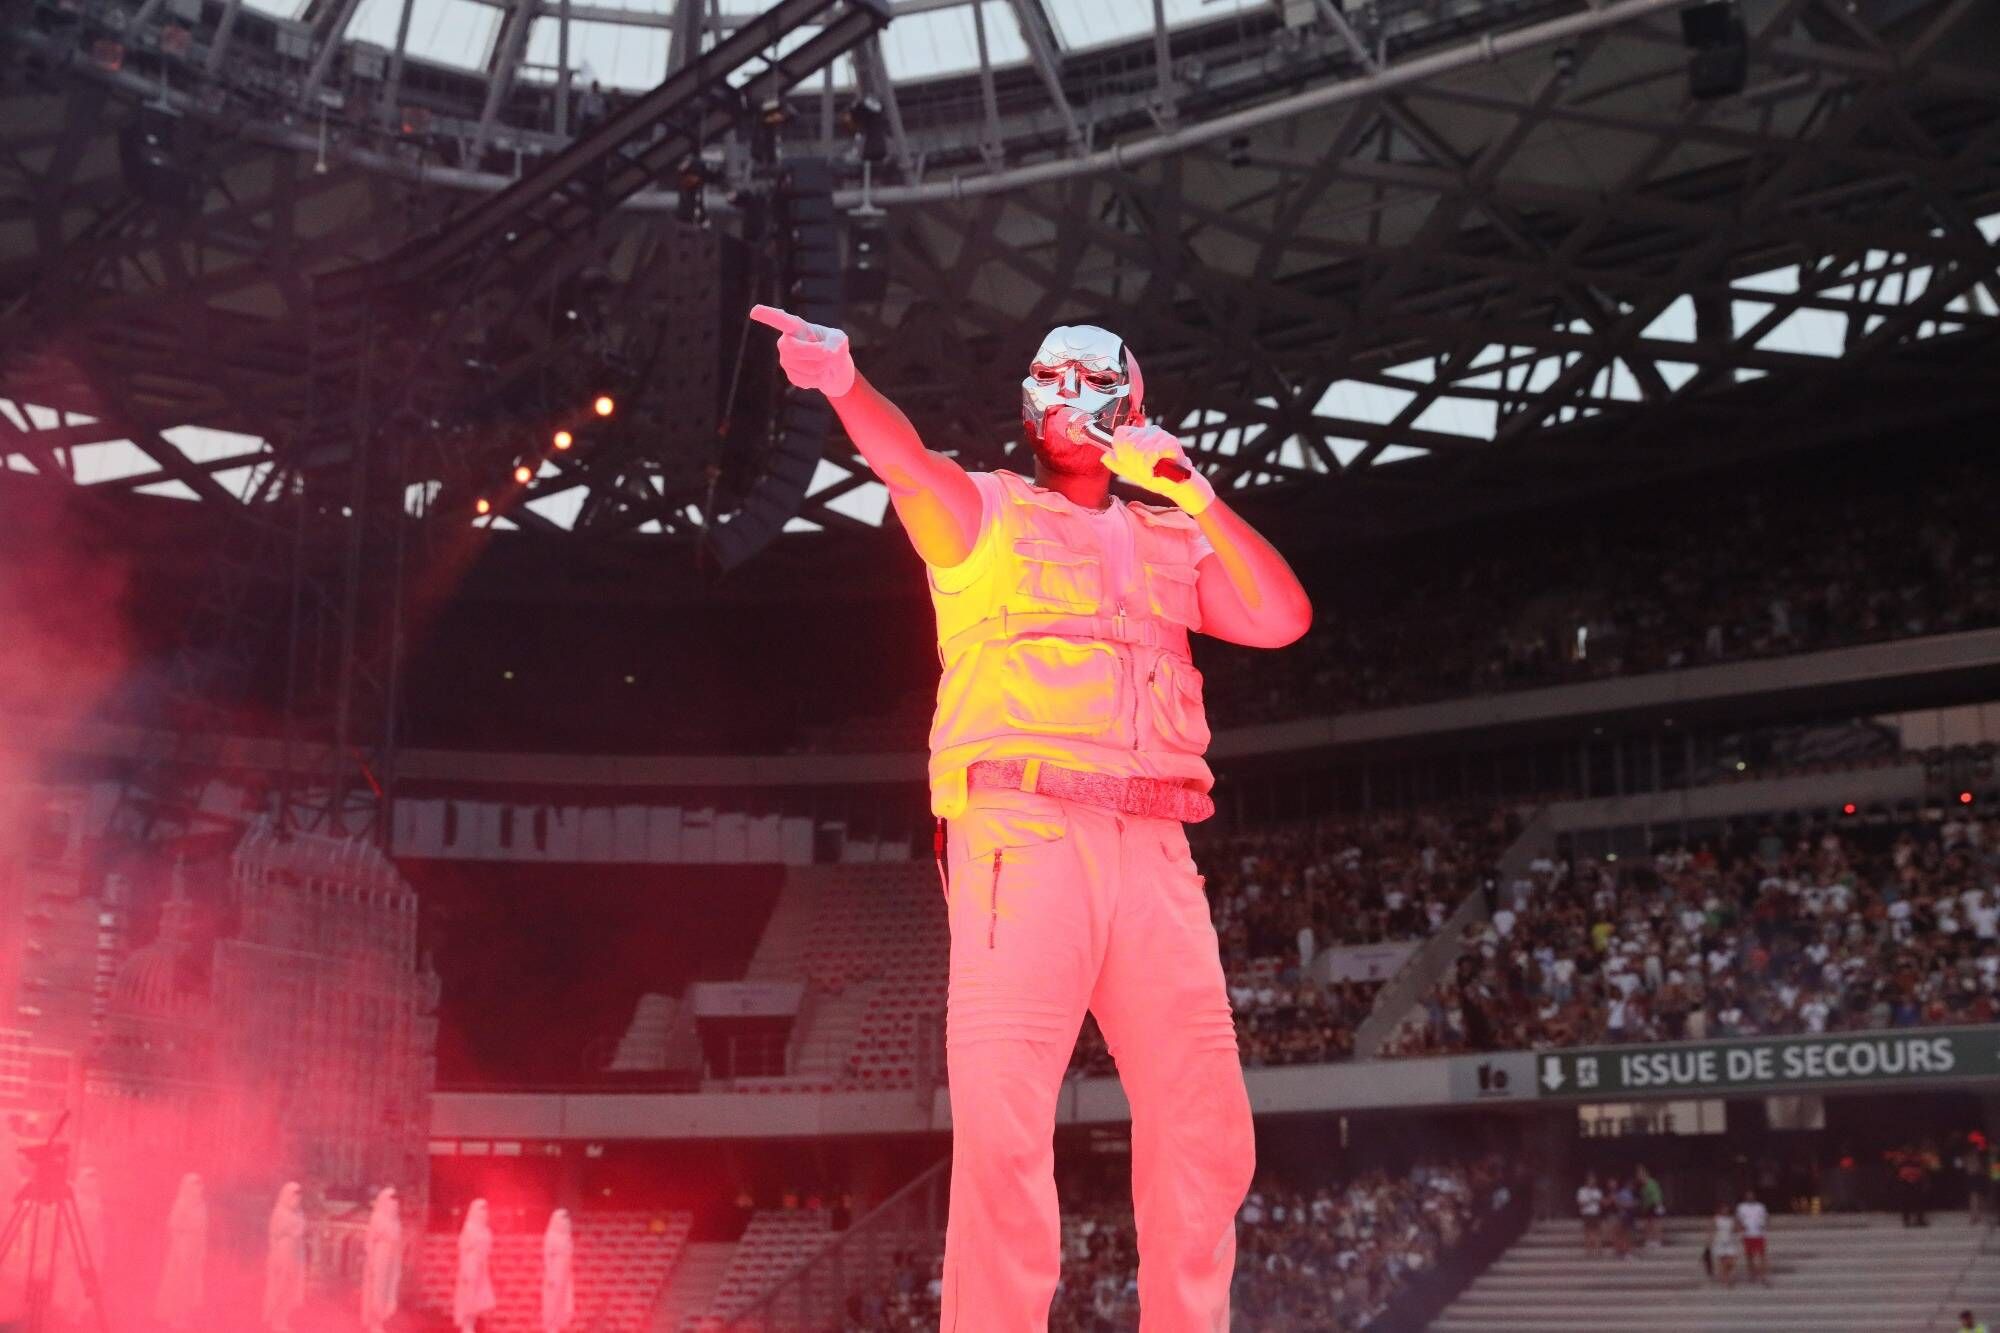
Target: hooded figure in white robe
558 1273
472 1295
72 1301
14 1270
181 1290
382 1265
285 1259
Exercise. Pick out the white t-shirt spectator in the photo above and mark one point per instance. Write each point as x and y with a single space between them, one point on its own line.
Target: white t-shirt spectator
1503 921
1589 1202
1814 1012
1985 919
1753 1217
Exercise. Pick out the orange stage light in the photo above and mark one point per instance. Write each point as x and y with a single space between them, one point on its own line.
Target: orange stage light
564 439
524 474
604 407
483 505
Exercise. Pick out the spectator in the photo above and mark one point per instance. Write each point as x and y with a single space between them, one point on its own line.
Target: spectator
1912 1185
1624 1217
1835 930
1590 1207
1752 1219
1725 1245
1652 1207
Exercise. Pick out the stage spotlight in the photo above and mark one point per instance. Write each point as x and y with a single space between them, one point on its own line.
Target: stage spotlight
1965 798
482 505
1847 809
771 118
158 157
1721 46
867 258
524 474
1563 62
864 116
564 439
604 407
690 189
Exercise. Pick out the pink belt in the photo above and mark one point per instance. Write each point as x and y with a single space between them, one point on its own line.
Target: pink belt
1148 798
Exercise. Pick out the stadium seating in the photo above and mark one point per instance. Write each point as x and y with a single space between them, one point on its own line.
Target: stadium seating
775 1243
873 943
1332 1258
1845 1273
622 1260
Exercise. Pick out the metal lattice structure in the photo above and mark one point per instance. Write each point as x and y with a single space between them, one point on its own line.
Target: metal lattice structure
1519 263
1424 248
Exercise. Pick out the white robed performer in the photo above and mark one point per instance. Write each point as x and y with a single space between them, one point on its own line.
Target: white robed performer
14 1272
558 1273
382 1266
285 1259
72 1301
181 1292
473 1296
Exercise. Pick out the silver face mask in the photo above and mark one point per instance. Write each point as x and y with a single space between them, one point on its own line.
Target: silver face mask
1086 368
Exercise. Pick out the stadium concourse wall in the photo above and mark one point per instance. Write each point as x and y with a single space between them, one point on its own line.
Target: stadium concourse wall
1868 1061
1873 678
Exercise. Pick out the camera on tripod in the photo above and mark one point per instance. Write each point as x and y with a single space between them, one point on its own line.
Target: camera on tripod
48 1171
44 1226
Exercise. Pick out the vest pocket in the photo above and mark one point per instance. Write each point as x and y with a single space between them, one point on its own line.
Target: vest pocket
1058 686
1050 576
1178 717
1172 590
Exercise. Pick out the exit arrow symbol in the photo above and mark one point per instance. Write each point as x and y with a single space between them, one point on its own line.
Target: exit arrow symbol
1552 1073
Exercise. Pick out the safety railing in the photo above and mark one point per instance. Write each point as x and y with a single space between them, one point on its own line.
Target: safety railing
905 1232
1425 967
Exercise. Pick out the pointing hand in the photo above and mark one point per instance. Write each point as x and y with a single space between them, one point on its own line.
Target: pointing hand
813 356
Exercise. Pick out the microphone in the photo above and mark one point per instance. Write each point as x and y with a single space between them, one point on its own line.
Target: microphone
1072 425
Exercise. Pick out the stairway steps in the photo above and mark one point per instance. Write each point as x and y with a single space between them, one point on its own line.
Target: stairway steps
1853 1273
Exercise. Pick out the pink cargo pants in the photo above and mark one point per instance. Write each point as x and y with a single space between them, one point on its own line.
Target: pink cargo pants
1056 908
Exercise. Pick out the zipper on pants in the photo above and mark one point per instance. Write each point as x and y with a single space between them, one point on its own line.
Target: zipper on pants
993 901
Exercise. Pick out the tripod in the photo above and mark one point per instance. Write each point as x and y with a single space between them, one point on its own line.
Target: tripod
45 1215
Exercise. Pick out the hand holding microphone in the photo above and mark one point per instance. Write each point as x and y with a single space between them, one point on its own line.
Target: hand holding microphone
1145 456
813 356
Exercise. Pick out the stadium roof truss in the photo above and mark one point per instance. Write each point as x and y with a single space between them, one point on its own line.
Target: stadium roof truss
1497 237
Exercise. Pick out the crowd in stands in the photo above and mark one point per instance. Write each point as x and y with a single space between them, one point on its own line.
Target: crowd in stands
1280 897
1332 1258
1711 577
1839 928
1683 577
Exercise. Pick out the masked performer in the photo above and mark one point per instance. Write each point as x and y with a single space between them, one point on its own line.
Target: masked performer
285 1259
382 1263
558 1273
181 1286
1066 757
472 1295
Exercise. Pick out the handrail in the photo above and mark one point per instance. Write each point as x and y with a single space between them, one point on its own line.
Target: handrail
1421 970
813 1298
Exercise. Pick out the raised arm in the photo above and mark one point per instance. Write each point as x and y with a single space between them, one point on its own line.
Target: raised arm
934 498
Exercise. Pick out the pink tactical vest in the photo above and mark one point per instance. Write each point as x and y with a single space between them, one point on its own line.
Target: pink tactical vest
1040 662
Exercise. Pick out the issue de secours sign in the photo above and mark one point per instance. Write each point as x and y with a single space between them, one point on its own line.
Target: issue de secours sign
1954 1054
